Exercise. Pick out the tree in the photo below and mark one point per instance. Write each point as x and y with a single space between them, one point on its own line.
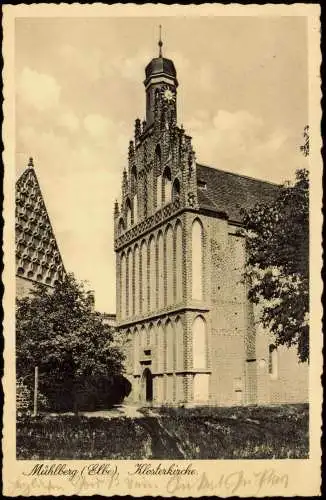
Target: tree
277 270
59 331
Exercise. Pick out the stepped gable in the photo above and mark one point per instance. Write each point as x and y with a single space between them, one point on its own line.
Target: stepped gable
228 193
38 258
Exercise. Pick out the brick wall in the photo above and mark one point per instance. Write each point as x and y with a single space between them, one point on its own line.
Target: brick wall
290 381
23 287
237 349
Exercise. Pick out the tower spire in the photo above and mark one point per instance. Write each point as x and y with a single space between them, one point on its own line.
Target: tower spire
160 43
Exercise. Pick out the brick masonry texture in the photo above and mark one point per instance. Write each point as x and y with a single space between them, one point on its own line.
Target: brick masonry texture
194 337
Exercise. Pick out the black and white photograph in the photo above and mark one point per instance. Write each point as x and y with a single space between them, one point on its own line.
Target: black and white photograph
163 300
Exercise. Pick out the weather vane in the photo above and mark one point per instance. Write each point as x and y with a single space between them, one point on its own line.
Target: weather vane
160 43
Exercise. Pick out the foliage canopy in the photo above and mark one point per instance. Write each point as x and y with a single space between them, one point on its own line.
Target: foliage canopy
59 331
277 270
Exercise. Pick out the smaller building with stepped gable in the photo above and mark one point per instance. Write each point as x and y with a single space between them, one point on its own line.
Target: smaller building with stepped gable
38 259
194 336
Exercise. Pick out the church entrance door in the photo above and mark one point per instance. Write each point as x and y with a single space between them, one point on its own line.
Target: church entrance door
147 385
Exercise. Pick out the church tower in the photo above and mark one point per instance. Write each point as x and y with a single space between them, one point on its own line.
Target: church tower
151 242
181 298
161 88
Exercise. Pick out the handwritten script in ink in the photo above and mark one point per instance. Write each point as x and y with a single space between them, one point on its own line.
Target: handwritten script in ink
174 479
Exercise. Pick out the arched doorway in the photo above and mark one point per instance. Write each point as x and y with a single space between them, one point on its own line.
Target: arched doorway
147 385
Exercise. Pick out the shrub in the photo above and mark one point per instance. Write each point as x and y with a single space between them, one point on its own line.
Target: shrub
86 393
24 402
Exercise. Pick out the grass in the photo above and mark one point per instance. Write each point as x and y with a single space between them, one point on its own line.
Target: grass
170 433
244 432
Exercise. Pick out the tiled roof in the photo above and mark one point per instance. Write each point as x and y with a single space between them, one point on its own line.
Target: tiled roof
228 193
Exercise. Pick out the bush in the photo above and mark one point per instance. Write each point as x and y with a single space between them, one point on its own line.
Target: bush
25 398
24 401
86 393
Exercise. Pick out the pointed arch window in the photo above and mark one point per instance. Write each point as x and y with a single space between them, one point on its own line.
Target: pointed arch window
179 342
169 265
160 348
167 185
169 347
152 274
128 213
130 283
197 260
123 274
136 349
160 270
178 260
175 189
199 343
143 256
137 280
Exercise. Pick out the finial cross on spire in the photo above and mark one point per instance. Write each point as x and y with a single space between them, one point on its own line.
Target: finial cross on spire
160 43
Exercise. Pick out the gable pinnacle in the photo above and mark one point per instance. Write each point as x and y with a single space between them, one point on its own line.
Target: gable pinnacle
116 208
160 43
30 163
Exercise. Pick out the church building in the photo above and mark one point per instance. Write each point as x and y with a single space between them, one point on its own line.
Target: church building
38 259
181 299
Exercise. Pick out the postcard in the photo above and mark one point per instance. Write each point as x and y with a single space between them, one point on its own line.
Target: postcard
162 250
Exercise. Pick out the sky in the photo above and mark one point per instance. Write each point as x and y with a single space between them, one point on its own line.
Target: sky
242 96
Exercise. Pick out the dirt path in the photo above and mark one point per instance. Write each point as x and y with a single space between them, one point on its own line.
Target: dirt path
164 444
